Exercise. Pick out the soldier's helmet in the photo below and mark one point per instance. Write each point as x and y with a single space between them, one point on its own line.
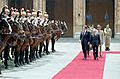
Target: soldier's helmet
34 13
22 9
28 13
3 9
23 13
46 15
17 13
6 6
39 13
12 9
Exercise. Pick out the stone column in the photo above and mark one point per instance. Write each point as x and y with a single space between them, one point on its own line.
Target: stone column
2 3
39 5
117 19
43 5
35 4
78 16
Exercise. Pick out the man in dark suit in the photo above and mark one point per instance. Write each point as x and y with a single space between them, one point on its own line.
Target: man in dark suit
95 42
85 40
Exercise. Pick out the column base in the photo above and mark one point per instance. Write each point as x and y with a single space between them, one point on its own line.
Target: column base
76 35
117 36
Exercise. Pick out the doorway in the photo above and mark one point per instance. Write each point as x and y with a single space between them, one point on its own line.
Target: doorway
100 12
61 10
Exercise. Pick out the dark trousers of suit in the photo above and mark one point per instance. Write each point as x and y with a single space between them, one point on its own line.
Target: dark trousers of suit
88 49
84 50
95 51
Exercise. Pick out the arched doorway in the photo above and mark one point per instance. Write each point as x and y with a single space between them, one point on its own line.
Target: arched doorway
61 10
100 12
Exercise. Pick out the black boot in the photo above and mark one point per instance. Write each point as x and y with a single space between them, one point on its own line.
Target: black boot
22 59
0 72
36 52
16 61
26 57
6 56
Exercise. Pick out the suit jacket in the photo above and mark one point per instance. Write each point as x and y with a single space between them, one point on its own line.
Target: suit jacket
95 40
85 38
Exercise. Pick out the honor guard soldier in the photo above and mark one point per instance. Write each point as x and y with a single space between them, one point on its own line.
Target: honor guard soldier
28 15
34 18
53 38
40 17
40 24
23 16
17 16
6 49
107 32
45 24
2 15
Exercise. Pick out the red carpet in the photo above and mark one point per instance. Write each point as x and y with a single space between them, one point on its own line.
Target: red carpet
84 69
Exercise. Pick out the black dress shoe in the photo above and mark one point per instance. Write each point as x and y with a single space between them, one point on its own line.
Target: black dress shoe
101 56
53 51
96 58
0 72
6 67
47 53
84 58
16 65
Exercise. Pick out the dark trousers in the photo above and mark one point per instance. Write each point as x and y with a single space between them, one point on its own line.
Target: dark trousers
84 48
88 49
95 51
53 43
84 52
47 44
6 55
46 47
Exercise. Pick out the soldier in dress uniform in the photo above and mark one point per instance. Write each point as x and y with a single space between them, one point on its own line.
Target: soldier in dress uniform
101 34
23 16
45 24
53 39
2 15
28 15
40 23
6 49
107 32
